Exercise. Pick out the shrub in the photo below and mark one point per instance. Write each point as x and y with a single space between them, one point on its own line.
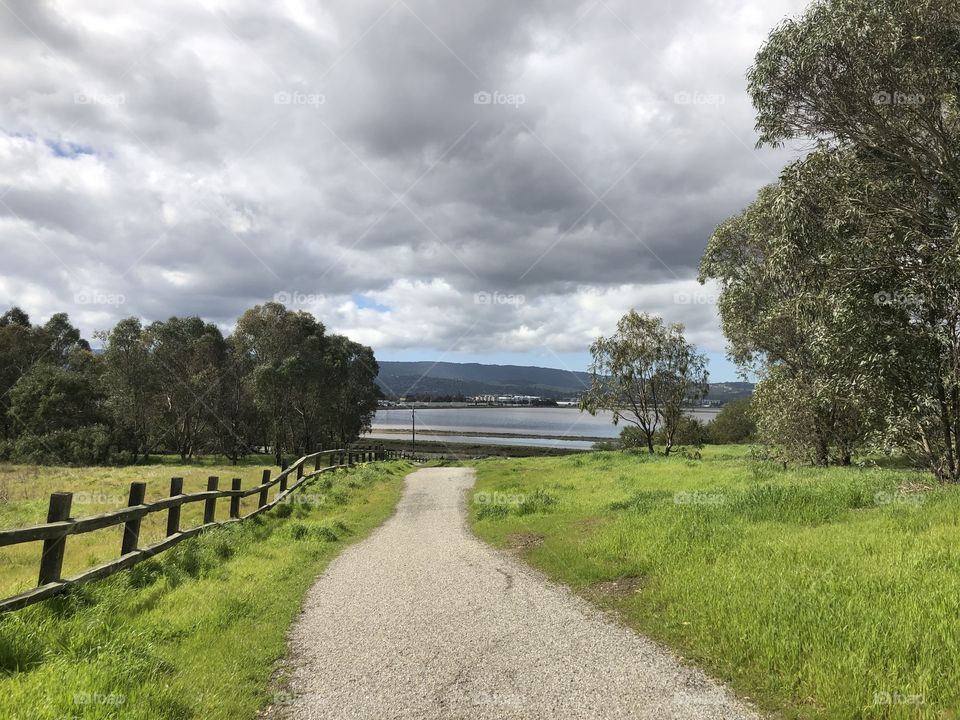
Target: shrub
89 445
733 424
690 431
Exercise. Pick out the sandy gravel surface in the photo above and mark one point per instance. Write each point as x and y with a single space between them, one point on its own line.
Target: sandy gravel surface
422 620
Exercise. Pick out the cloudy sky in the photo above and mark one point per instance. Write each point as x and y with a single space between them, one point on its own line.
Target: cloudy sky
483 181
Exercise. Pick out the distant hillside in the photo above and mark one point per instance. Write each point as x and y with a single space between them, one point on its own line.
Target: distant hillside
444 379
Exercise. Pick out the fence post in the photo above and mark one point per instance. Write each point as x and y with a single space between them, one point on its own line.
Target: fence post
131 529
283 463
51 562
333 458
210 504
235 485
316 463
263 493
283 483
173 514
300 470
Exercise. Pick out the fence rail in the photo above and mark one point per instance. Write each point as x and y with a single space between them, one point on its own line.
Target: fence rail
60 525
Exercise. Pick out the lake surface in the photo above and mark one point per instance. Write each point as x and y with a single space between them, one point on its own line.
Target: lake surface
568 426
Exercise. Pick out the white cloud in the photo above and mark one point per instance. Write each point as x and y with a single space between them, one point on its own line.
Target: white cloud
183 184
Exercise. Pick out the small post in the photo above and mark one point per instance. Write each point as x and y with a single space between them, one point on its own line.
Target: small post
263 493
131 529
333 459
316 463
173 514
51 561
210 504
283 483
235 485
283 463
300 470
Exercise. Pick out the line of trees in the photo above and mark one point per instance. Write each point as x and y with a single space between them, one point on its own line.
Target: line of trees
840 284
279 384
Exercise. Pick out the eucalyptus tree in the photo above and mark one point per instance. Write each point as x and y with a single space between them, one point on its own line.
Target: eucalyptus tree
646 374
874 85
351 400
189 356
283 350
133 392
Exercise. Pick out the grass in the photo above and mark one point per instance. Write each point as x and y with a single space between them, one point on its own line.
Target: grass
197 631
25 492
817 593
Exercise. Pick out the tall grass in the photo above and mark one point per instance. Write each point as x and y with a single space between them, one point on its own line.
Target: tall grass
195 632
820 593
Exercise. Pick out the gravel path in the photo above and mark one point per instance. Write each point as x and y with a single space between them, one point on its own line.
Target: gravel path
422 620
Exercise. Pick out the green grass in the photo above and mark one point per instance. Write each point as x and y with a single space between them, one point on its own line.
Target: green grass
25 492
197 631
817 593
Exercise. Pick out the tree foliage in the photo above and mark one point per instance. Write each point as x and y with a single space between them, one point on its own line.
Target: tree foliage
279 384
646 374
840 284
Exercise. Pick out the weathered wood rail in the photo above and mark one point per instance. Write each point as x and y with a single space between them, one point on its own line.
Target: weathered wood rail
60 525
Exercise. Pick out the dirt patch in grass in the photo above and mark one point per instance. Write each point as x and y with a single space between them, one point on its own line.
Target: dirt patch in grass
618 588
524 541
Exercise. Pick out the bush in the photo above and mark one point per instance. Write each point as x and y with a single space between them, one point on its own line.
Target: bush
89 445
690 431
633 438
733 424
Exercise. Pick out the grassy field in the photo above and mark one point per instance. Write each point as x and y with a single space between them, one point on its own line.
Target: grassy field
25 492
817 593
193 633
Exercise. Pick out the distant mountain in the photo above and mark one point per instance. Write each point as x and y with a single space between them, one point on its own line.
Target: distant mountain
443 379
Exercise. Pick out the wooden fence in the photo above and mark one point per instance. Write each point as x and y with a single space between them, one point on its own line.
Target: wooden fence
60 525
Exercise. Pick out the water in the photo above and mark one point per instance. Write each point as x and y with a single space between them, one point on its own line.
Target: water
537 425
